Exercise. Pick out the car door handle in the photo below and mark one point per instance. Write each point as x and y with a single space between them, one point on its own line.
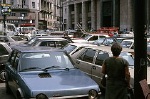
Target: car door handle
94 67
78 62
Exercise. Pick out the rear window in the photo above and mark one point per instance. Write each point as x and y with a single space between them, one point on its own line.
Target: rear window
69 48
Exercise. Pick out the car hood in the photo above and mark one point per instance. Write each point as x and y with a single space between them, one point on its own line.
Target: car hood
60 80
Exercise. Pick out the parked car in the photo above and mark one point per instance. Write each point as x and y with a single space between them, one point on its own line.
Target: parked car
12 40
89 38
108 41
105 41
5 50
47 42
46 73
90 60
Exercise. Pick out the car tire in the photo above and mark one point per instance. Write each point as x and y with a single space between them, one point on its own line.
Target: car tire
8 90
2 75
18 96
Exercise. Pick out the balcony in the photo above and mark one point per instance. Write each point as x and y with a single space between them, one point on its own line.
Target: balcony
46 10
20 7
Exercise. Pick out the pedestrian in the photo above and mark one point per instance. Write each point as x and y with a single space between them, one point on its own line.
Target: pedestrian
118 75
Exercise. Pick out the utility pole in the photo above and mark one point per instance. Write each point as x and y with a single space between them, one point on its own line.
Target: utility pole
140 46
4 20
61 15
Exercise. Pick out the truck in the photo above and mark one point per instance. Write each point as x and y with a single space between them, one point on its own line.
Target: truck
10 29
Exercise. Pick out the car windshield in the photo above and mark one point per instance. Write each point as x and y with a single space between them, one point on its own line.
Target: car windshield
108 41
42 60
99 41
17 38
31 41
87 37
128 57
69 48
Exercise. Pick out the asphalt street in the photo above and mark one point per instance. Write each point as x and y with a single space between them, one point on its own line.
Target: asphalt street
3 94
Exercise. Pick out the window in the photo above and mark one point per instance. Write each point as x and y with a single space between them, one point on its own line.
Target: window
33 4
13 14
12 2
23 2
16 61
12 58
3 50
77 50
88 55
101 57
93 38
4 39
48 43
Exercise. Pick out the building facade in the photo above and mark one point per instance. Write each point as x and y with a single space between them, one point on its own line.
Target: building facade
94 14
38 13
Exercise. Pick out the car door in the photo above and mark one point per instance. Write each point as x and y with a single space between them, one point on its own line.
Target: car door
85 60
97 68
12 73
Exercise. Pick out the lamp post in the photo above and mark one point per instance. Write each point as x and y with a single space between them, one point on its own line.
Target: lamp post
61 15
20 21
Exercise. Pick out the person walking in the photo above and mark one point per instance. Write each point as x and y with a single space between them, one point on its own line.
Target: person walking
118 75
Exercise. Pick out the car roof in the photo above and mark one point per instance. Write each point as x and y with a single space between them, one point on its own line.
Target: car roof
82 44
35 49
52 38
131 40
99 35
108 48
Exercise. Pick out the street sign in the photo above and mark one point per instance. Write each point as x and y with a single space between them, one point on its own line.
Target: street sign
5 9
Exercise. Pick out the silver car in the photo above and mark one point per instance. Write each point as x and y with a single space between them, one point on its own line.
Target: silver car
90 59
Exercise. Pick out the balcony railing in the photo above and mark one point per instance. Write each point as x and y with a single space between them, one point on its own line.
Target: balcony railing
13 7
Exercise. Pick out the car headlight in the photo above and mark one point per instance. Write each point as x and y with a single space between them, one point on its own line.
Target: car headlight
41 96
93 94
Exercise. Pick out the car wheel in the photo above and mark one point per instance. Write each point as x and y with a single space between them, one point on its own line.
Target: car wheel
18 96
2 76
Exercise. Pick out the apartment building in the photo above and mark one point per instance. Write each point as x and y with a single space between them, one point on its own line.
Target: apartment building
38 13
93 14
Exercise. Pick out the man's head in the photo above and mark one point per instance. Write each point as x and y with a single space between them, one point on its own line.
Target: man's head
116 49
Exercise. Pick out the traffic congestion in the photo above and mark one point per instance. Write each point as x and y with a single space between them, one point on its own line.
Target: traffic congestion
58 62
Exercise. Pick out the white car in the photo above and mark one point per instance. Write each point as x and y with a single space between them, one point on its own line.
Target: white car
90 59
90 38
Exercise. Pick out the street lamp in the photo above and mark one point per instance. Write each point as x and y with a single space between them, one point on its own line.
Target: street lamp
20 21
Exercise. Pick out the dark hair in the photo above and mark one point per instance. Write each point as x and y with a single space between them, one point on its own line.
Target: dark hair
116 49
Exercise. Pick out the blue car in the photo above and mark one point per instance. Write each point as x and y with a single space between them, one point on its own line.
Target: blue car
46 73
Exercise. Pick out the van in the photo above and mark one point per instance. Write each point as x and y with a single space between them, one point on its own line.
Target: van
10 29
26 30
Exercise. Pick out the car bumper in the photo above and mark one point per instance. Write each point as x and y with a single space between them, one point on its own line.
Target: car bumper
70 97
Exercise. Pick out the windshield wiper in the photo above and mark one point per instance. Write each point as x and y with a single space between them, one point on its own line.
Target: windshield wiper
31 68
55 67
